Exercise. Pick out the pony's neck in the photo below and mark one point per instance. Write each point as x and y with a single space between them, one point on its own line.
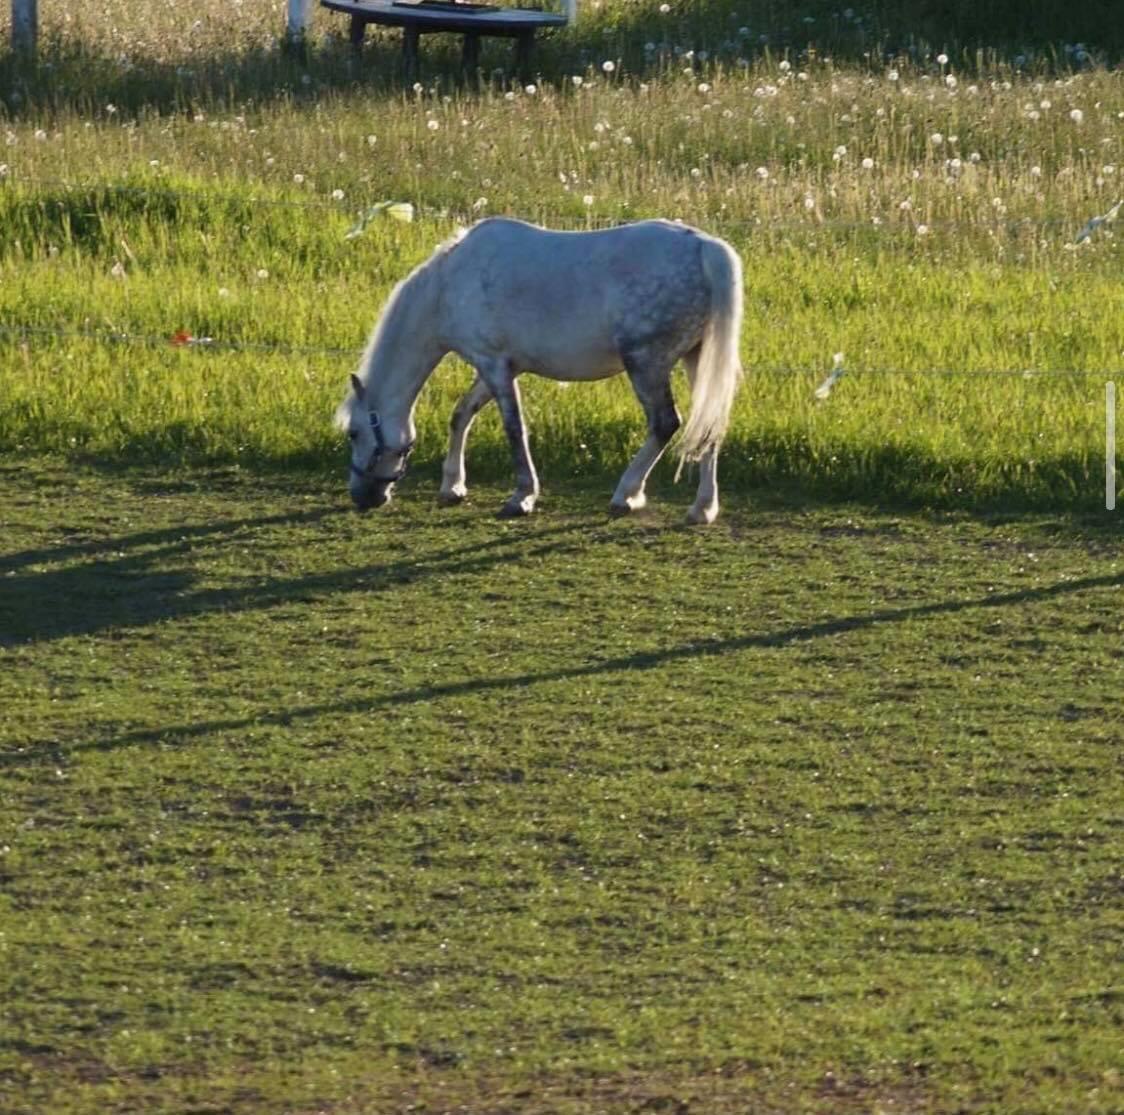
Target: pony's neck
404 348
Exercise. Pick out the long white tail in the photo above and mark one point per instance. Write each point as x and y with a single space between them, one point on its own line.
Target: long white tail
718 370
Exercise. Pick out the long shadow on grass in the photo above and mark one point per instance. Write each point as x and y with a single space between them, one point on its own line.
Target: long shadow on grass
647 660
165 541
131 590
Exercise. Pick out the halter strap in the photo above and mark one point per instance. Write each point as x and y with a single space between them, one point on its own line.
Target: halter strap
380 449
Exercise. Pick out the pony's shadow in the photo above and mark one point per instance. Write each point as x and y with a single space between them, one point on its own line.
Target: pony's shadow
131 586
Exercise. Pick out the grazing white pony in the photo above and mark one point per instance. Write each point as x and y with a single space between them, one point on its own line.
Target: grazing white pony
508 297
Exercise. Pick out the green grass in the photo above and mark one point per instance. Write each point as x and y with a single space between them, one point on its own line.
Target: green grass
814 811
224 213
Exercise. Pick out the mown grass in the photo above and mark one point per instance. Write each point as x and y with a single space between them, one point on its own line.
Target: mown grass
306 811
813 811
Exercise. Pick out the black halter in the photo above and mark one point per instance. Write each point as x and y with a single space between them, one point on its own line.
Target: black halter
380 448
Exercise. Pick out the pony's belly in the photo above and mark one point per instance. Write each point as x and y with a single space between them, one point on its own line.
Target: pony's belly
582 364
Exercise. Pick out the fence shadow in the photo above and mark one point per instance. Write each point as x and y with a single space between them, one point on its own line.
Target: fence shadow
648 660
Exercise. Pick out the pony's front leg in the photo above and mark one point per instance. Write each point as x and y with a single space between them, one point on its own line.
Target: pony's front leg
453 487
500 379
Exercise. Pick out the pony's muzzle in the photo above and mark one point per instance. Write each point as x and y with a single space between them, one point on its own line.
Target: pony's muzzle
372 497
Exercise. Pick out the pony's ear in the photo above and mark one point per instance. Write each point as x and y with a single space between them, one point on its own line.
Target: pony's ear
358 388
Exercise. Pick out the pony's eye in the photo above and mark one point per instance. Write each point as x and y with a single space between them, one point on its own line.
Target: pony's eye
352 435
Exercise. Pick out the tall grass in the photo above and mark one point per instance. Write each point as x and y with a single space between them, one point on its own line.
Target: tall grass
918 213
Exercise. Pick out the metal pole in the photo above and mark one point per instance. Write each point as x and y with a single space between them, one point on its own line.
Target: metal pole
25 24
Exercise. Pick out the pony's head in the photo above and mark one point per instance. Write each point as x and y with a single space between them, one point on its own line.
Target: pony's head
379 451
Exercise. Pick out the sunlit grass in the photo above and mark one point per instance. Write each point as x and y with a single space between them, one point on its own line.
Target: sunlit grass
916 213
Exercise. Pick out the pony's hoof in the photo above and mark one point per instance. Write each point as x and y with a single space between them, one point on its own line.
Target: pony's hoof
451 499
702 516
633 503
516 509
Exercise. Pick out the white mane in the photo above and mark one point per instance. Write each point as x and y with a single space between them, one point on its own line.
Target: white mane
412 295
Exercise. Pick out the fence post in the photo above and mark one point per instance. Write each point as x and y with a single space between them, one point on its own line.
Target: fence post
25 25
296 30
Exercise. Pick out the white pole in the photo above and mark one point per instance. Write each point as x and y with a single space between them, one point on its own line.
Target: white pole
1110 446
25 24
570 10
300 19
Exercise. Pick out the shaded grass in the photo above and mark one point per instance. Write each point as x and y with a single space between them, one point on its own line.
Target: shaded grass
809 812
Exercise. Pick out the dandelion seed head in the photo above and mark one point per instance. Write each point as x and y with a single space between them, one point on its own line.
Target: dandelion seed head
1076 115
608 66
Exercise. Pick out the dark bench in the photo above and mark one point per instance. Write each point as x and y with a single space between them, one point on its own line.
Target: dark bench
470 20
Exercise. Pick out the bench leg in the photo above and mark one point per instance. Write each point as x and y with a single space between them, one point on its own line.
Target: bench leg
470 54
358 30
410 39
524 41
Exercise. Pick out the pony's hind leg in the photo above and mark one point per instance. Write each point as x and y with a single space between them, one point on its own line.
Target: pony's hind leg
705 508
453 487
499 377
652 383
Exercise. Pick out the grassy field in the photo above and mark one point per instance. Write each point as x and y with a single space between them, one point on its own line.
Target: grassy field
814 811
